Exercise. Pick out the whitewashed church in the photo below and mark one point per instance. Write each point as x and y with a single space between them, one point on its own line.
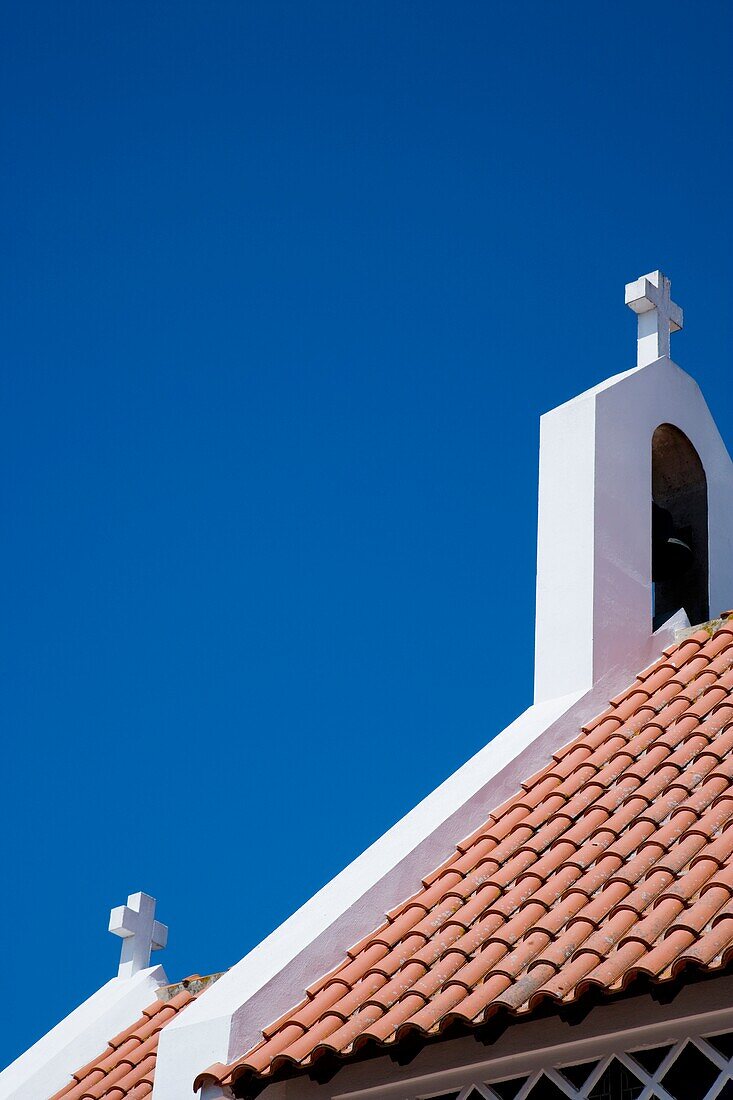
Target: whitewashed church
554 921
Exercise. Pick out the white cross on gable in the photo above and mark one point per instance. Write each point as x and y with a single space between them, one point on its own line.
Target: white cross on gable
140 931
649 297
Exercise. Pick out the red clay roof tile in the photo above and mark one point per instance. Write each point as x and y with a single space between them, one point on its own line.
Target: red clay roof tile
614 860
125 1069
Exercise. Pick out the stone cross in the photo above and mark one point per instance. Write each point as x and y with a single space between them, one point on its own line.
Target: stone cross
141 933
649 297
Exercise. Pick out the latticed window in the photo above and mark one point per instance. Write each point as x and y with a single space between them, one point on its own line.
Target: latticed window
695 1069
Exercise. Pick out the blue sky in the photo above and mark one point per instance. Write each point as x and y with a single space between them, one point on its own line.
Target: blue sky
285 290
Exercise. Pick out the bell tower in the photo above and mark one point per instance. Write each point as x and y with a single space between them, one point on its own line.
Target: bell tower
635 510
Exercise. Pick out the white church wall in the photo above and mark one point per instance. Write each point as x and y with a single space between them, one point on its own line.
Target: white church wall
272 978
594 585
47 1066
593 635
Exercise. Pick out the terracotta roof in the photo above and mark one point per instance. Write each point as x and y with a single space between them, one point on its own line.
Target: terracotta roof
127 1067
613 861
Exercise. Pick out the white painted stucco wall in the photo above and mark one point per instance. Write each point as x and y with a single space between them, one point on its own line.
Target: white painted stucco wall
593 635
46 1067
594 587
229 1019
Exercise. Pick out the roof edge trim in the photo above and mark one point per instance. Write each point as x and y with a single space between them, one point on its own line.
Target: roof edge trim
47 1066
272 977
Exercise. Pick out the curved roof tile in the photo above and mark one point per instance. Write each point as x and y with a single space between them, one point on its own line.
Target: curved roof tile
125 1070
613 861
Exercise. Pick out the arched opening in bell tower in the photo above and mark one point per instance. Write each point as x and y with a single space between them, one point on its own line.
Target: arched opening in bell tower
679 528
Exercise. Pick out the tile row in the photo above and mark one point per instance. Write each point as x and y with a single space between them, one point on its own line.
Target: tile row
615 860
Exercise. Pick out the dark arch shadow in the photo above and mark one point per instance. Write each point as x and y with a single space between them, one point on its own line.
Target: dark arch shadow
680 490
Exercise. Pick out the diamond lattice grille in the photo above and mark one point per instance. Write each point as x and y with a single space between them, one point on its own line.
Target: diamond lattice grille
694 1069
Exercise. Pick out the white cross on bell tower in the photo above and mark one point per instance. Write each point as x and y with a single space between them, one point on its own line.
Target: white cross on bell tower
650 298
140 931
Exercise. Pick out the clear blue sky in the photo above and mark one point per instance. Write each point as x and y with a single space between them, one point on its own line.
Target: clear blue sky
285 289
